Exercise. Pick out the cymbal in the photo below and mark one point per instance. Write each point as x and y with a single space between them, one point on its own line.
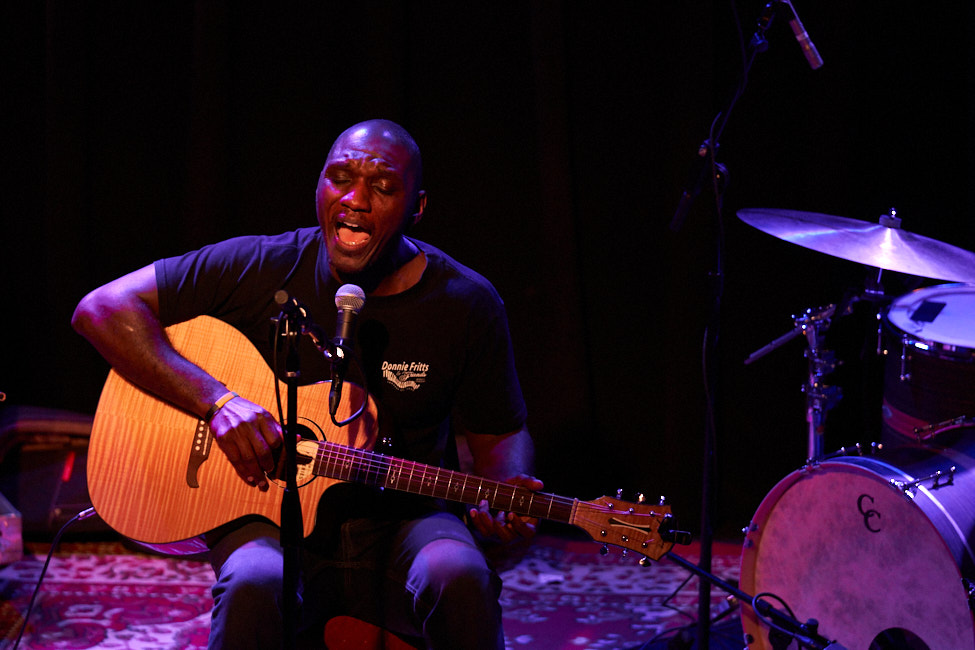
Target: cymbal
873 244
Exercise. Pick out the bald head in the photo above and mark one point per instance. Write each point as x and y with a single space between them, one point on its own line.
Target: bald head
392 133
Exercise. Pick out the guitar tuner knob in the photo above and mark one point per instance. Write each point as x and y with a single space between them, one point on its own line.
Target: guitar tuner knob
619 493
644 561
663 501
604 550
640 498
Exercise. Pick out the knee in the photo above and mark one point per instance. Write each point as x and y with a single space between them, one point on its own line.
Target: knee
451 571
249 577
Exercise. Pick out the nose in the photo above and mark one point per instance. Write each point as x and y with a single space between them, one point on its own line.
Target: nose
357 197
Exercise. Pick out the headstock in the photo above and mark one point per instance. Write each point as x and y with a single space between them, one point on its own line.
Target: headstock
644 528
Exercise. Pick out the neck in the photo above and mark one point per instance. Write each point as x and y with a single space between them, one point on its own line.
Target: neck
396 273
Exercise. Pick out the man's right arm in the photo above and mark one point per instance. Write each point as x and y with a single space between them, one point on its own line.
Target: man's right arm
121 319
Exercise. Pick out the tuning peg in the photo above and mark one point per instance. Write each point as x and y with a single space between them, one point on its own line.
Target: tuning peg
623 553
604 549
640 498
644 561
619 493
663 500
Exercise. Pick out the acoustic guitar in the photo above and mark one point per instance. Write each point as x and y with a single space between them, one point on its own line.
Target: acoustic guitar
156 476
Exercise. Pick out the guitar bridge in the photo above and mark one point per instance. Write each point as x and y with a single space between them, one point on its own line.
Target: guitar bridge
199 452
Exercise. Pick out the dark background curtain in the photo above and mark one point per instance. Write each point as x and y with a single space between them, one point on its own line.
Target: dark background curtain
557 138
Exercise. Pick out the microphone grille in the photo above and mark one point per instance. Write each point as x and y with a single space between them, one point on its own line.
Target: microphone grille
351 297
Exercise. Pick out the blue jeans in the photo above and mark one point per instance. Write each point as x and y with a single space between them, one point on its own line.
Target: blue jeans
424 578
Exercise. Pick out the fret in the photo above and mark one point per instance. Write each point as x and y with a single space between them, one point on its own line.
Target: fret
436 482
394 474
409 481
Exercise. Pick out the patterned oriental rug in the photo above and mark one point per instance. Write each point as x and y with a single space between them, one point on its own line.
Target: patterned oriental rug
561 595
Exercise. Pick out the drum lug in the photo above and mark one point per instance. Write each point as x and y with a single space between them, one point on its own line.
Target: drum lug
905 373
910 488
750 528
856 450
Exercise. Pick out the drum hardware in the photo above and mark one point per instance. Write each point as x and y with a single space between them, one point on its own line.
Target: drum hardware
856 450
785 628
905 373
932 430
820 397
911 488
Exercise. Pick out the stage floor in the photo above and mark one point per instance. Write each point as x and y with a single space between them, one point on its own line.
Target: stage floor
561 594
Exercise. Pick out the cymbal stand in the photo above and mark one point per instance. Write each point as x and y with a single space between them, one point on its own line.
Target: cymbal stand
813 324
820 397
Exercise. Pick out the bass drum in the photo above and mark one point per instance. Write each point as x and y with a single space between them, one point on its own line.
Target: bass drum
877 548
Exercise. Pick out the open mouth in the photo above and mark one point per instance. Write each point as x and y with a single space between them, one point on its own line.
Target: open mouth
351 234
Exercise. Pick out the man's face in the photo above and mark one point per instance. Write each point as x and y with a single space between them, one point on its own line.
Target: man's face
366 198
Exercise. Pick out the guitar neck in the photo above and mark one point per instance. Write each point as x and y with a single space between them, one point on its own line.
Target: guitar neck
371 468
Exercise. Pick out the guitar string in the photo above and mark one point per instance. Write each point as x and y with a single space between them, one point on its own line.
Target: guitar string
335 455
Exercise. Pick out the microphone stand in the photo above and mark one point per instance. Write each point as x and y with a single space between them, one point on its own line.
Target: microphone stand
784 628
292 527
706 162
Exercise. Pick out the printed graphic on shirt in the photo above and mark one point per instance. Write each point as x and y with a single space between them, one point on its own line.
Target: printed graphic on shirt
407 375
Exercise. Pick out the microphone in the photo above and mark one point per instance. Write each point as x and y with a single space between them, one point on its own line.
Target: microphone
808 49
289 304
349 299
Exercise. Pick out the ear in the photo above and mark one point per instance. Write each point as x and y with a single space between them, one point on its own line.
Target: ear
421 204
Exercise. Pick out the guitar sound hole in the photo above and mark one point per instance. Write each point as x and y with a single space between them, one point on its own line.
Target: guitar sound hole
304 432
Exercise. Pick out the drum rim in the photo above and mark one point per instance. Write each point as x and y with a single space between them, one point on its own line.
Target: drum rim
966 350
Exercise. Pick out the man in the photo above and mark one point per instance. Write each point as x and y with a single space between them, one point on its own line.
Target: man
401 561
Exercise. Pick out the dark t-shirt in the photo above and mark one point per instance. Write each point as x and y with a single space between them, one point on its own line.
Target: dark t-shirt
439 349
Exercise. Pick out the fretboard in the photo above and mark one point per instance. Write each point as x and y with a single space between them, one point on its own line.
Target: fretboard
372 468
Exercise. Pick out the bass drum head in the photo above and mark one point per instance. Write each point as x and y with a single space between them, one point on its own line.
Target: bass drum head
838 543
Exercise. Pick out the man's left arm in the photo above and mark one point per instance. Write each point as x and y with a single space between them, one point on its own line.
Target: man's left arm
509 458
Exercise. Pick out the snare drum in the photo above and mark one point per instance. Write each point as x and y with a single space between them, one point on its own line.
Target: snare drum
877 548
930 368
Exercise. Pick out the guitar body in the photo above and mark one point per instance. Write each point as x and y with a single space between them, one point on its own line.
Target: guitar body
155 473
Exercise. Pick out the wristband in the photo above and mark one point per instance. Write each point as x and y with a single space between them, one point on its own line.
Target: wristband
219 404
